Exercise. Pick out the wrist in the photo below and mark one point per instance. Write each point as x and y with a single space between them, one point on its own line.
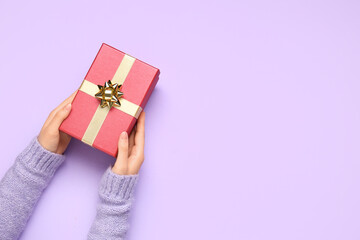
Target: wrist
116 186
36 161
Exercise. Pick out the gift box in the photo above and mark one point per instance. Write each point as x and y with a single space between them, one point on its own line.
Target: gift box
110 99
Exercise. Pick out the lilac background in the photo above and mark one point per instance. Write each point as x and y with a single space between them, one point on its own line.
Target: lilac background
252 131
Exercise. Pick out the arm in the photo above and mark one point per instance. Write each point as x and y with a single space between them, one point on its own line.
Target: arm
117 186
116 197
22 185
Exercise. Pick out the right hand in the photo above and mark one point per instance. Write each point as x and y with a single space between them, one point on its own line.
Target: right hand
131 149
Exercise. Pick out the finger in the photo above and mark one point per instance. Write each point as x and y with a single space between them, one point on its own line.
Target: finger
131 139
59 117
65 102
138 149
123 148
62 105
140 131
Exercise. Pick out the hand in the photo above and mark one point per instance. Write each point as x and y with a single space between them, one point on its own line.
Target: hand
131 149
50 137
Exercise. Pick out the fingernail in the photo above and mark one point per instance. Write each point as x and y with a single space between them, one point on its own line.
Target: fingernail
123 135
68 107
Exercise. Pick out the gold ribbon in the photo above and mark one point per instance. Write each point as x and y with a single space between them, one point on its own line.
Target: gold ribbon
101 112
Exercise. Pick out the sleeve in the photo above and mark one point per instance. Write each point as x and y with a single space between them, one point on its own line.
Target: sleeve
116 197
22 186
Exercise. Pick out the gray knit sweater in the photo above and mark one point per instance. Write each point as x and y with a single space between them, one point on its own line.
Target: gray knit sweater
33 169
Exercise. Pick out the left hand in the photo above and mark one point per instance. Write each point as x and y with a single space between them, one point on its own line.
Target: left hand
50 137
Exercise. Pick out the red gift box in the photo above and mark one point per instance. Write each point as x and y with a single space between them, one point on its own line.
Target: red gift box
100 127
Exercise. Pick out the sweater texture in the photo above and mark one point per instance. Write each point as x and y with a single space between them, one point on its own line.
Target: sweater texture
23 184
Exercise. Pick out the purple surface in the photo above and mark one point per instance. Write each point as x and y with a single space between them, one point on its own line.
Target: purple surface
252 131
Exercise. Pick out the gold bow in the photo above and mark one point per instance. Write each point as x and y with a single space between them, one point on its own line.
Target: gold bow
109 94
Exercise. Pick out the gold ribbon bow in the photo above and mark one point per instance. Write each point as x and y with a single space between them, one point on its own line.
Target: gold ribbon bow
109 94
120 104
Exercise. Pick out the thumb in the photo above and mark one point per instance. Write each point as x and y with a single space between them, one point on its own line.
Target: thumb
121 164
59 117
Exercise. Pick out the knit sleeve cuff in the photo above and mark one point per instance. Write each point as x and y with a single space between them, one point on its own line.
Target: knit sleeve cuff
36 159
117 187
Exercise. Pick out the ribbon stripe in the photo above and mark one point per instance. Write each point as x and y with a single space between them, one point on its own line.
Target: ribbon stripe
123 69
95 125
